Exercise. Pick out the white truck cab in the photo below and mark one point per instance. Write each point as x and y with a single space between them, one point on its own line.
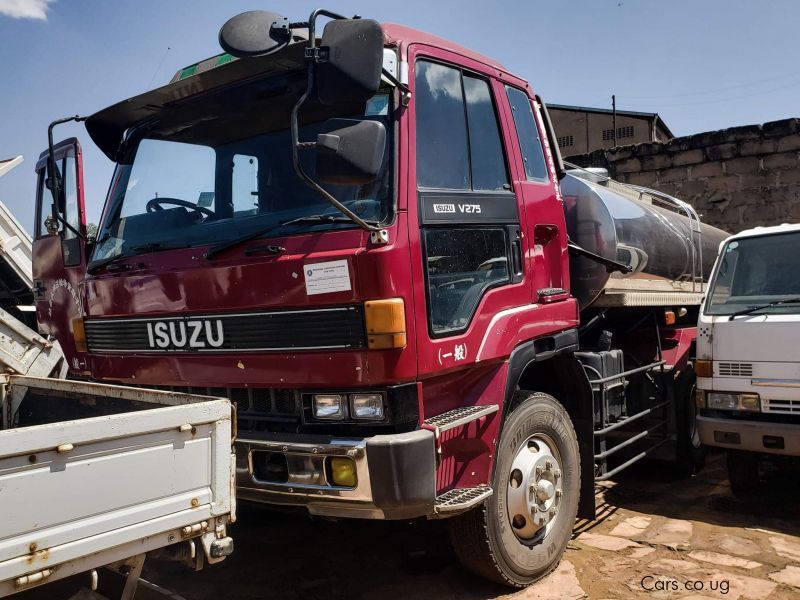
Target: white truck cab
748 352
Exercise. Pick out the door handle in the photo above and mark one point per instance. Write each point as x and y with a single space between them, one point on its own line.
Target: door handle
516 253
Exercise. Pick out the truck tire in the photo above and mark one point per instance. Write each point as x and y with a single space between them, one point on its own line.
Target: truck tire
743 473
519 533
690 454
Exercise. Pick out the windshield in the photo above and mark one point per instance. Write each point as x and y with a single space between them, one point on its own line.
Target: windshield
221 167
756 271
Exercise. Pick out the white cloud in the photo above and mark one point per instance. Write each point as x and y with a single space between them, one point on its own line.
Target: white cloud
25 9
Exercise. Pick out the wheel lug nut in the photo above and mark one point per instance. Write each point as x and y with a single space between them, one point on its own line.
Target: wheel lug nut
548 465
538 470
558 494
552 512
557 473
541 521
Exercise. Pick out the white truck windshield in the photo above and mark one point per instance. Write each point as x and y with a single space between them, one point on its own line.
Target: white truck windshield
207 174
756 271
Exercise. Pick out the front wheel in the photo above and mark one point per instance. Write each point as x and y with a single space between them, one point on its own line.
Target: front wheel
519 534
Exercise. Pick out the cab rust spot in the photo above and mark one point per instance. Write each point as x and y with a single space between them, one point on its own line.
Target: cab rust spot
195 503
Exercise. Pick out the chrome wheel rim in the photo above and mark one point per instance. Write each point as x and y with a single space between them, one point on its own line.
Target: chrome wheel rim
535 489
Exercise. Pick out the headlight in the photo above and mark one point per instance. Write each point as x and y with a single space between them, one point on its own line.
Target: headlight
366 406
328 406
730 401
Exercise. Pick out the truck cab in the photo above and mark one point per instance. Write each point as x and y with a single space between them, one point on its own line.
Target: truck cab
748 363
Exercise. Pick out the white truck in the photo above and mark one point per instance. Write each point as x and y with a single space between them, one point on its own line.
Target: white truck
748 352
96 475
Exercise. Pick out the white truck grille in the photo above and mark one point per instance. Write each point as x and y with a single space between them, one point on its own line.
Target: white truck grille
786 407
734 369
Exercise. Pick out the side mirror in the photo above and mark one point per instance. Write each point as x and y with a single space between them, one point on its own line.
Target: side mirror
350 152
254 33
352 71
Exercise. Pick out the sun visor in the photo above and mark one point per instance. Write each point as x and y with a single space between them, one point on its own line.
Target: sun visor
107 127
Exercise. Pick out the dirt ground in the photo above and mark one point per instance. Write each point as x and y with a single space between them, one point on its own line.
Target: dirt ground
657 536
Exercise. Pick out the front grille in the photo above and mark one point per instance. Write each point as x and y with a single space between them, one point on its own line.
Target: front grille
734 369
784 407
257 409
309 329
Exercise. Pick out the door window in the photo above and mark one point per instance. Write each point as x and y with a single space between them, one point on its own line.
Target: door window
244 184
67 205
458 137
462 264
530 142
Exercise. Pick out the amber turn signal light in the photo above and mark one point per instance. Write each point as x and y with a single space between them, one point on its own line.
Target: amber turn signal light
79 335
703 368
386 323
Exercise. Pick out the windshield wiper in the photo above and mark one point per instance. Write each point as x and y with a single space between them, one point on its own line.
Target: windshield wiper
747 311
307 220
148 247
105 262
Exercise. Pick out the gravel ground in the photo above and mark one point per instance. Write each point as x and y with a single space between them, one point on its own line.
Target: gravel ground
656 536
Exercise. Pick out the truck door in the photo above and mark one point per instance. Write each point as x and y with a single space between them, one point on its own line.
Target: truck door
59 253
536 182
469 215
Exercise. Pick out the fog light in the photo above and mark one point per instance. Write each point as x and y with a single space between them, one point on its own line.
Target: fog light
343 471
328 406
750 402
366 406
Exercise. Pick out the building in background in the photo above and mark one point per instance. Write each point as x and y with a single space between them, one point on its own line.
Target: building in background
581 129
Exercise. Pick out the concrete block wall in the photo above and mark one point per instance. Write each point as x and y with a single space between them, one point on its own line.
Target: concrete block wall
735 178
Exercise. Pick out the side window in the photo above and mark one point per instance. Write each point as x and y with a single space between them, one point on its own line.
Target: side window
70 209
530 142
458 137
67 205
487 163
442 147
462 264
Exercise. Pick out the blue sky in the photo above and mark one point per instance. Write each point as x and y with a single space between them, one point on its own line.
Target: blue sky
702 64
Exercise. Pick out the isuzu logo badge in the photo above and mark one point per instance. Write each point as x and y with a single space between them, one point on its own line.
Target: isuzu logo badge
193 333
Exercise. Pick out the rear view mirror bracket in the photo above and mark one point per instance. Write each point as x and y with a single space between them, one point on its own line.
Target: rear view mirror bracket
315 54
54 181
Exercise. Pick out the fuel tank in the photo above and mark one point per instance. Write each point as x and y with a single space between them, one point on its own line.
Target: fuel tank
632 227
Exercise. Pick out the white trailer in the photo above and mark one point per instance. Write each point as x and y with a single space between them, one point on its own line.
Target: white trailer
95 475
131 471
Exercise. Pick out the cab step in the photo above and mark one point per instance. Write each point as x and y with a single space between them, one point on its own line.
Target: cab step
460 416
461 499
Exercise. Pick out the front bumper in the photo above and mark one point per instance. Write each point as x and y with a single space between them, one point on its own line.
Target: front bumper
754 436
395 474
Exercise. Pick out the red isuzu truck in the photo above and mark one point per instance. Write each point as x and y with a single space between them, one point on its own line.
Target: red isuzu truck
368 241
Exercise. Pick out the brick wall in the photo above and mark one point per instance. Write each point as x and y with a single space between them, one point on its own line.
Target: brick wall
735 178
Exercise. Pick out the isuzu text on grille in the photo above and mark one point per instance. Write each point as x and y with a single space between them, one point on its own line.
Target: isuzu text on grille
183 334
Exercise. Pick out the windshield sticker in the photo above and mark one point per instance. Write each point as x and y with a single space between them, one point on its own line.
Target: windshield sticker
378 106
206 199
327 277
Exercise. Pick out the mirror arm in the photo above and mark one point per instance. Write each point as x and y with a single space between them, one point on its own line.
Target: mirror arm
377 234
405 91
55 177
